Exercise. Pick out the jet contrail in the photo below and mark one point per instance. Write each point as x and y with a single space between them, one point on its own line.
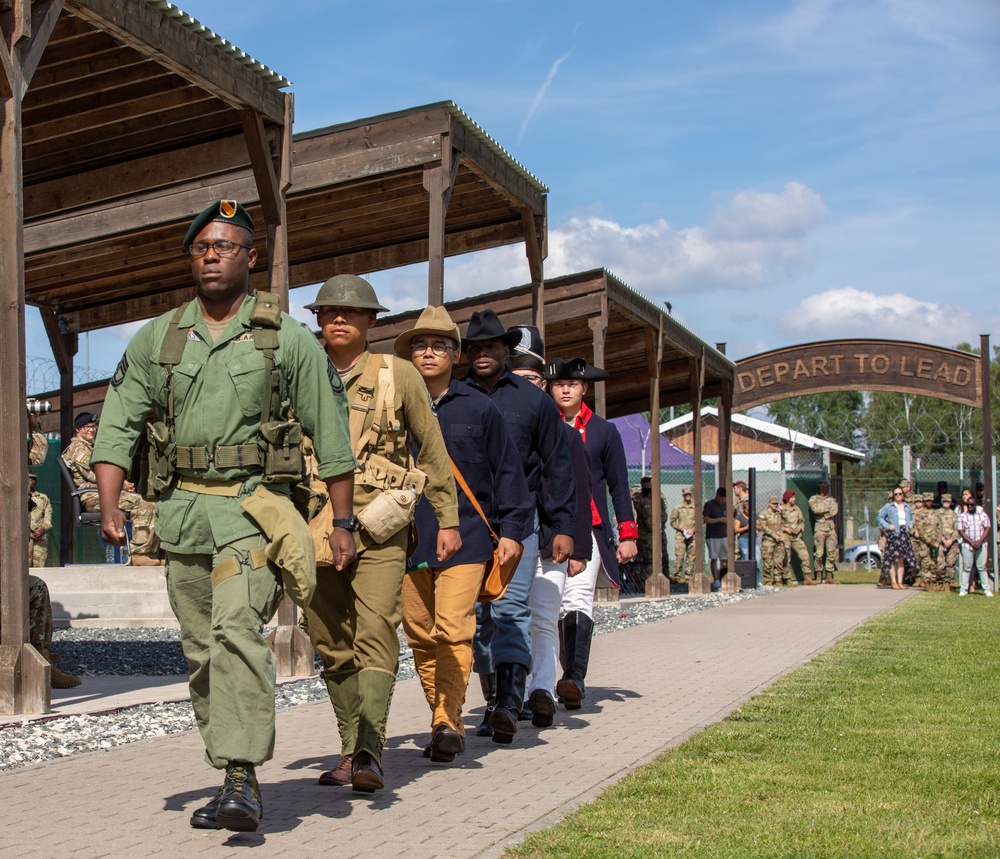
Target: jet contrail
541 94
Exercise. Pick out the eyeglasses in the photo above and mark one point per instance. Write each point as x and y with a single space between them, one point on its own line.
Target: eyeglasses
438 347
897 493
223 248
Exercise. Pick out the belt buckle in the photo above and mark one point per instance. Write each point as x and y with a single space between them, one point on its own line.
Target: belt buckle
209 454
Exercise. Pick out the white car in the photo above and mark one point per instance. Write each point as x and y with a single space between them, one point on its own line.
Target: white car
866 555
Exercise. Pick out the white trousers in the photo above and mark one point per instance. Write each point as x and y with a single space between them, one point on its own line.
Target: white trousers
544 600
578 595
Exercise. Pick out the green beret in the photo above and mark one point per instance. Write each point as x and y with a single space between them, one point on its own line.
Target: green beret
226 211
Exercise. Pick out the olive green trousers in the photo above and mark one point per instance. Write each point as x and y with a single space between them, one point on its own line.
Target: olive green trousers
231 667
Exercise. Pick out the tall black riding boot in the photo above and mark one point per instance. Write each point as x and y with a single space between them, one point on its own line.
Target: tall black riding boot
489 684
511 680
578 632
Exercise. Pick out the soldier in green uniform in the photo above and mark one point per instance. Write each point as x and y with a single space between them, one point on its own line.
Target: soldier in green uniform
794 526
220 374
927 528
824 510
770 526
948 551
39 523
354 616
682 521
144 546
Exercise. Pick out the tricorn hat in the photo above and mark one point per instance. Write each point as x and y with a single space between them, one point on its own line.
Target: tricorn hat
528 353
486 325
573 368
227 211
432 320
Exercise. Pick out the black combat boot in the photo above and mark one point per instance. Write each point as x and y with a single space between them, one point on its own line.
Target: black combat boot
239 806
578 631
489 684
511 680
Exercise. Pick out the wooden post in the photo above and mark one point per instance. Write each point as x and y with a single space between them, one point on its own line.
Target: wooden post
731 582
24 673
699 583
534 247
988 505
439 182
657 584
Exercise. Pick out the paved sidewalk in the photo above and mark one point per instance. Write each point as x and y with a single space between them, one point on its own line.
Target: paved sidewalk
650 688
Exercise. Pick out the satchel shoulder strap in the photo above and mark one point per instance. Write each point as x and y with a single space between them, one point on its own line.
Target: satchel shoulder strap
365 401
472 498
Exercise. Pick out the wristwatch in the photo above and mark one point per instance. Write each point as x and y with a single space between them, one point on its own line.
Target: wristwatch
351 524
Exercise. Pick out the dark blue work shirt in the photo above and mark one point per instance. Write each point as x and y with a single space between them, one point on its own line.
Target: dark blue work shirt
536 427
480 444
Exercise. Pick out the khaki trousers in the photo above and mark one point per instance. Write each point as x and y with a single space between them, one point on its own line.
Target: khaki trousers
352 623
230 665
439 616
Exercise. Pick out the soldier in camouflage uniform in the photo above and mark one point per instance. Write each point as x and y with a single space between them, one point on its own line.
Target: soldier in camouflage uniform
38 444
770 526
948 551
39 523
682 521
144 546
794 526
824 510
927 530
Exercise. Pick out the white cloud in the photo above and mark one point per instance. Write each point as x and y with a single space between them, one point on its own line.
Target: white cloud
851 312
755 240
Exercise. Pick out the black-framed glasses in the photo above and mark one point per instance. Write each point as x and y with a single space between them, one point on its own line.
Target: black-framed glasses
438 347
223 247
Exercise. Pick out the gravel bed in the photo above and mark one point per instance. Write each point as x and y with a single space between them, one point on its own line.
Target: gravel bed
148 651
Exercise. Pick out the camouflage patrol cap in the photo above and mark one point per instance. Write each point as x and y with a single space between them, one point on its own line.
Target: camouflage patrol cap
947 497
33 473
928 496
686 490
904 483
774 499
226 211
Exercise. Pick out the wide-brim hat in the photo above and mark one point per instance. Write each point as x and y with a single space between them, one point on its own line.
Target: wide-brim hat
432 320
226 211
485 325
529 350
573 368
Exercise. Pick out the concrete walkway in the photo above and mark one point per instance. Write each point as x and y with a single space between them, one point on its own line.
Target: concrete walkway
650 688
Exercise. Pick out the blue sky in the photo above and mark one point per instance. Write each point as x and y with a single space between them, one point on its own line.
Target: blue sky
778 171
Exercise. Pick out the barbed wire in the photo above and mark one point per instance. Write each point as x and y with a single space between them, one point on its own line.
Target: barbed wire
42 375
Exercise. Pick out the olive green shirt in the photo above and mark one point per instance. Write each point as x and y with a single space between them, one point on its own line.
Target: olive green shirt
218 398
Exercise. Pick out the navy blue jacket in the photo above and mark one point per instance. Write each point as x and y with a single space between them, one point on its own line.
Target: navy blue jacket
609 473
536 426
479 442
583 545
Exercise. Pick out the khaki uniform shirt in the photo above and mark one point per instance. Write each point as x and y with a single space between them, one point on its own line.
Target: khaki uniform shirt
824 508
771 523
77 457
40 516
218 398
682 517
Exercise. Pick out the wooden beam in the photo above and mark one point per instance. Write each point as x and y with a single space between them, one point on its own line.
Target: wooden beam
699 583
184 52
657 584
262 162
533 250
44 15
599 329
277 233
7 73
438 181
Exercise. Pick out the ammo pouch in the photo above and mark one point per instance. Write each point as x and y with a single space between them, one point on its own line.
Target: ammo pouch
381 473
279 442
162 459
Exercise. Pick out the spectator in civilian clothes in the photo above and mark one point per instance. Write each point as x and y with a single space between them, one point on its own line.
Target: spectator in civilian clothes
714 516
973 531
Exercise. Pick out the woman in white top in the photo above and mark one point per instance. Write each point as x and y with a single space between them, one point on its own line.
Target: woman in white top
896 519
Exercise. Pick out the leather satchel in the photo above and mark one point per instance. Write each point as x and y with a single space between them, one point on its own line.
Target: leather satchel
496 576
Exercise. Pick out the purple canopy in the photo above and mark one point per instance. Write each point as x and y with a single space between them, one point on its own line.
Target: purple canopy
635 432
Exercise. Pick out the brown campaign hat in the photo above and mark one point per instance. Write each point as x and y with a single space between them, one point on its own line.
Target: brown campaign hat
432 321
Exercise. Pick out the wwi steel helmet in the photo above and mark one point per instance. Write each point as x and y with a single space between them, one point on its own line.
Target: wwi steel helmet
347 290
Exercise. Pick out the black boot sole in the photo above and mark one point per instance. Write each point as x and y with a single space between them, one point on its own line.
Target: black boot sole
543 708
504 724
236 820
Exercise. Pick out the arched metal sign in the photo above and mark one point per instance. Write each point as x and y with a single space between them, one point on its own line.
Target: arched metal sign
858 365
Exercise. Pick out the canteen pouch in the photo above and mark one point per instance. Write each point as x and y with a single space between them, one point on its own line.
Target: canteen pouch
391 510
280 444
162 459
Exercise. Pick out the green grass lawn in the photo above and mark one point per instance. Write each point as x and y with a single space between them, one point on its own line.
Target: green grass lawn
886 745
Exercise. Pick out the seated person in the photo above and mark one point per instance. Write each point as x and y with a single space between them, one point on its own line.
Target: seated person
145 545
